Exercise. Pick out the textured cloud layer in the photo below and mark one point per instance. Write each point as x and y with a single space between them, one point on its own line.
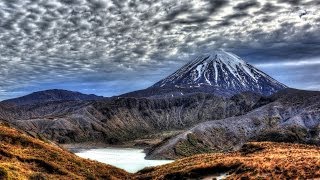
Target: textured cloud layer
108 41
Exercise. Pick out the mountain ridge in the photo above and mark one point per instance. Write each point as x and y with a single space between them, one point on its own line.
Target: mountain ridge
117 120
51 95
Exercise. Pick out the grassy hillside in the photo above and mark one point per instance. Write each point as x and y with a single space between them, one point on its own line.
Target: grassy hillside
255 161
24 157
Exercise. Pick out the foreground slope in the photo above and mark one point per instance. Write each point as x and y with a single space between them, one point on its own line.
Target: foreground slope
263 160
24 157
288 116
219 72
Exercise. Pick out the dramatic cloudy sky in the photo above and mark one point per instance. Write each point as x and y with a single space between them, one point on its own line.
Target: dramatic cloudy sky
108 47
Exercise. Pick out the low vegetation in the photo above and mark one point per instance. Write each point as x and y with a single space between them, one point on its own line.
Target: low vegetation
24 157
191 147
256 160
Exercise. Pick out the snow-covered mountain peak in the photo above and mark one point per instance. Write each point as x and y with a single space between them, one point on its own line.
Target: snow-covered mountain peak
225 57
224 71
230 60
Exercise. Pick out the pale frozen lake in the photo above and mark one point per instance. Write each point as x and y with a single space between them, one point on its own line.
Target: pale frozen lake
131 160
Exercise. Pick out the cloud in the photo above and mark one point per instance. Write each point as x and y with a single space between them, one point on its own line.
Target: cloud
292 2
52 41
298 63
302 74
246 5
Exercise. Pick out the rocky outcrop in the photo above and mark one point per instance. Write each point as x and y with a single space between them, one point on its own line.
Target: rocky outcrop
288 116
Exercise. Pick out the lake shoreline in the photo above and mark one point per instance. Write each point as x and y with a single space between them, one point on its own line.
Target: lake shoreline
145 142
76 147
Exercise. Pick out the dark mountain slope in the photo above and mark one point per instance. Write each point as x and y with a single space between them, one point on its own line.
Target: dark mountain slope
121 119
51 95
288 116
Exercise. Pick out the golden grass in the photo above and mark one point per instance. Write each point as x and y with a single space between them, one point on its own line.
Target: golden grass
263 160
24 157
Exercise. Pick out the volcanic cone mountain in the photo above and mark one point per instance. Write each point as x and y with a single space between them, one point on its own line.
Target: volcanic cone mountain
220 72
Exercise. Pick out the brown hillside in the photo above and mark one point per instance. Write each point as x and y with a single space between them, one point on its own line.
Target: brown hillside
24 157
254 161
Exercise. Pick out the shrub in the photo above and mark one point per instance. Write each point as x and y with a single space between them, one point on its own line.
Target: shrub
38 176
3 173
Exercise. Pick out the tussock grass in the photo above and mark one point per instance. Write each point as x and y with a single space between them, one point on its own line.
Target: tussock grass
256 160
24 157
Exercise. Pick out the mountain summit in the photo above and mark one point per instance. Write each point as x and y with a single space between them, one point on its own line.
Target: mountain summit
224 71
